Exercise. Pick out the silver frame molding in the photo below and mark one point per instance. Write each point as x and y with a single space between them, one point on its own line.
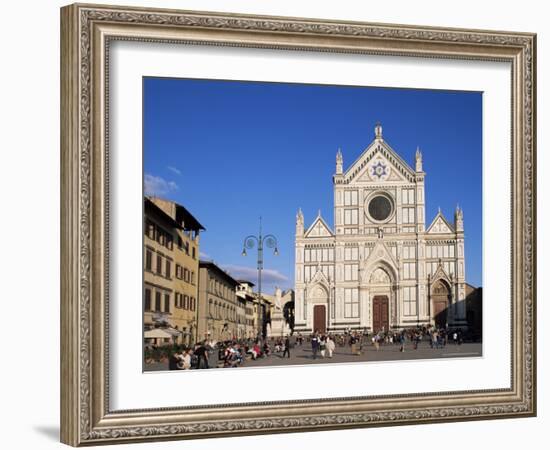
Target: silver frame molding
86 31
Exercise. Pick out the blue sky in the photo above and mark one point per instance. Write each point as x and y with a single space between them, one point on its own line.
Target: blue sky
233 151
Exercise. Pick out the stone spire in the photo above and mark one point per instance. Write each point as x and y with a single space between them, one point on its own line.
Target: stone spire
378 131
339 162
459 219
299 223
418 158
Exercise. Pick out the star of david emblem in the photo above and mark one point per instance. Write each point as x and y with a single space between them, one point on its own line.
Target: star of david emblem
379 169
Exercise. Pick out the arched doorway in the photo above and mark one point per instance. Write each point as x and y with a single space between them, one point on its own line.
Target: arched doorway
380 287
441 297
319 300
380 313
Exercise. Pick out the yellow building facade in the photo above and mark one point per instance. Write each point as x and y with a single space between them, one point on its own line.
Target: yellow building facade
171 267
248 300
219 309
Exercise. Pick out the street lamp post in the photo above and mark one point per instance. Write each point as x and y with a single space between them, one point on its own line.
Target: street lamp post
260 241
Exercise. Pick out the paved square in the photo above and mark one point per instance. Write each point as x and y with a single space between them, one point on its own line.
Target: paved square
303 355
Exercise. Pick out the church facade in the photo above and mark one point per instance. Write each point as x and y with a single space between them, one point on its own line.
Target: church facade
382 267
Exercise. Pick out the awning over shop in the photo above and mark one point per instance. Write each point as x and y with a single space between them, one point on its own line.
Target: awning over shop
161 333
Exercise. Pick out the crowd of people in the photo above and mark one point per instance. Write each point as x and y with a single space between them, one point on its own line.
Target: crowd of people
234 353
437 338
230 353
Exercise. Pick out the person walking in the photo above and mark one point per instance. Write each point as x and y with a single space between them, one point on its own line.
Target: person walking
376 340
314 345
174 360
323 346
330 346
185 363
202 355
287 347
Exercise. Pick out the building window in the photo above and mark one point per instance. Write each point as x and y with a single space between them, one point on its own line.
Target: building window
147 299
318 254
185 302
409 301
157 301
408 196
351 272
150 229
307 273
449 268
351 216
159 264
194 253
408 215
328 271
351 303
409 252
409 271
148 260
168 272
167 303
350 198
351 253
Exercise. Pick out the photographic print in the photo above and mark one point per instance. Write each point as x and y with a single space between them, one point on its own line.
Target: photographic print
270 199
296 224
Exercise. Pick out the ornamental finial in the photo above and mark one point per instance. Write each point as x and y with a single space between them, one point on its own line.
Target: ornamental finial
378 131
418 159
339 162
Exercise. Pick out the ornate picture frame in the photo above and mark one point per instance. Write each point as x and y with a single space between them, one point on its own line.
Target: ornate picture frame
86 34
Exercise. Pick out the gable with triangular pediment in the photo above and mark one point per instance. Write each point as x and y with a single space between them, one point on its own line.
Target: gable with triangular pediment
319 228
440 226
380 253
319 278
441 274
379 163
379 170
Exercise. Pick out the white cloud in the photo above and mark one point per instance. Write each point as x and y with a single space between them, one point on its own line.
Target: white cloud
204 255
269 276
158 185
174 169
